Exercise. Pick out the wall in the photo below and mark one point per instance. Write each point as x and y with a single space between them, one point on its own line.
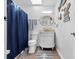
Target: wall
35 12
65 41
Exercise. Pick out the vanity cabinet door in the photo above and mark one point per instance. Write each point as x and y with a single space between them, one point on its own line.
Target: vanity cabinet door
46 39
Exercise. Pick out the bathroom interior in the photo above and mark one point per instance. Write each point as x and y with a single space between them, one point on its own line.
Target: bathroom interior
39 29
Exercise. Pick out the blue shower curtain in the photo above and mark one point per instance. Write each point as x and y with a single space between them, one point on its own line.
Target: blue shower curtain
17 30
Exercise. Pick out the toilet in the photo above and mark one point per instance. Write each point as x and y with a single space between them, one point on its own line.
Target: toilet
32 46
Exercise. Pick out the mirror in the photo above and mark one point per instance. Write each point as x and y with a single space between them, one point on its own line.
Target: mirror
48 21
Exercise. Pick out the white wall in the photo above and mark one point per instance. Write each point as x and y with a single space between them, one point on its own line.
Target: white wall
35 12
65 41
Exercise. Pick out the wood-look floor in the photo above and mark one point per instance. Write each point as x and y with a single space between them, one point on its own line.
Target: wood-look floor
25 55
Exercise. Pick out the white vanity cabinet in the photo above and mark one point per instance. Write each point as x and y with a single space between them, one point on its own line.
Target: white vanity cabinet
46 39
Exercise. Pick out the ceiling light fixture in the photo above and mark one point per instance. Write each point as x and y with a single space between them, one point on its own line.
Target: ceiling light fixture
36 1
47 12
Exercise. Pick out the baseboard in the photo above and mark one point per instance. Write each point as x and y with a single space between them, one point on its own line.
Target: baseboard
60 54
